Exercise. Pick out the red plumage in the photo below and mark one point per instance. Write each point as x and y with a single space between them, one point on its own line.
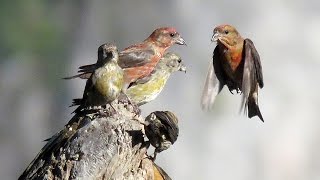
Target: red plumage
139 60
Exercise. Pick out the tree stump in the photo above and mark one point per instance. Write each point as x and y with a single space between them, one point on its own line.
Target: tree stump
92 146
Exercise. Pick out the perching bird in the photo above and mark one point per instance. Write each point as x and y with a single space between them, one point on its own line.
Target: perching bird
236 64
105 83
148 88
161 128
139 60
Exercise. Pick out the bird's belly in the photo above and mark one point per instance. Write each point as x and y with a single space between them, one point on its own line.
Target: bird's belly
230 72
143 93
109 85
233 72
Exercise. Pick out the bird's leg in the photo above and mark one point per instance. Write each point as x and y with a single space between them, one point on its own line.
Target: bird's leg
153 158
154 155
115 111
136 108
230 89
102 113
125 98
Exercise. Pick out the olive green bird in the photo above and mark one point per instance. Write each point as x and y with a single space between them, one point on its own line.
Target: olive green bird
148 88
105 83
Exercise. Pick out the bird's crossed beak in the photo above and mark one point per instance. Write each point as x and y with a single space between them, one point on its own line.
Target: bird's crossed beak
215 37
183 68
179 40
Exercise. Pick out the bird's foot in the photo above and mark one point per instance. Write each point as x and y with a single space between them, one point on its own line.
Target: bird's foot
114 109
153 158
103 113
136 110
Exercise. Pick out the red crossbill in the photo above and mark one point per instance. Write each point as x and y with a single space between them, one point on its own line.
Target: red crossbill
161 128
139 60
236 64
105 83
148 88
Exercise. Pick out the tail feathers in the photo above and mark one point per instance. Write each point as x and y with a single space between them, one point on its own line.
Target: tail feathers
76 102
78 110
82 76
253 108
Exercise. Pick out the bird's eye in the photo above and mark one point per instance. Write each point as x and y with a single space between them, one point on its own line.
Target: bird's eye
226 32
179 60
172 34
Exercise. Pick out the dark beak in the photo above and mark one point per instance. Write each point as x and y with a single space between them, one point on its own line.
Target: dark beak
179 40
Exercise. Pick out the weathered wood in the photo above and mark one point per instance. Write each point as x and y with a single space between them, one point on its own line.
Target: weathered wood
95 147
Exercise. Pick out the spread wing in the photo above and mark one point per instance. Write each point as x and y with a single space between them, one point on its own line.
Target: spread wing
252 71
83 102
135 55
85 75
84 72
214 82
87 68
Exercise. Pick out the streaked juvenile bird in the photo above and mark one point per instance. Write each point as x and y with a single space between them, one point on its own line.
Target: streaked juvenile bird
139 60
148 88
161 128
105 83
236 64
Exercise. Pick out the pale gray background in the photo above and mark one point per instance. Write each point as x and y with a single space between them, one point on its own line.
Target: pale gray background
42 41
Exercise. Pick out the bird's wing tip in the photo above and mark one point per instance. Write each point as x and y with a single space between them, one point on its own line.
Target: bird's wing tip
205 106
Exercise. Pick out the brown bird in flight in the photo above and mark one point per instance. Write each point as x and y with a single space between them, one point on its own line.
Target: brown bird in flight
236 64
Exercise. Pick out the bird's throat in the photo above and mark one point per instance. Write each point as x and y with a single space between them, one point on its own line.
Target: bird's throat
233 55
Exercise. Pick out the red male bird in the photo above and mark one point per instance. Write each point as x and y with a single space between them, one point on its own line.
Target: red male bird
139 60
236 64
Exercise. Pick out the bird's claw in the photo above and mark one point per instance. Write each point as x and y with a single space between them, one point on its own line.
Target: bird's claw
102 113
153 158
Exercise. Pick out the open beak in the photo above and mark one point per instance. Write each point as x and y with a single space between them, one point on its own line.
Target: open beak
179 40
183 68
215 37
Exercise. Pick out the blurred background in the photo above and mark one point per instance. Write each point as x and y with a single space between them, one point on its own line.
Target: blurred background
43 41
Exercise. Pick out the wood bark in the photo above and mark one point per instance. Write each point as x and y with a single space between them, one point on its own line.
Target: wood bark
95 146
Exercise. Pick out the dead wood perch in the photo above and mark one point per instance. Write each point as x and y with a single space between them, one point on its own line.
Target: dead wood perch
95 147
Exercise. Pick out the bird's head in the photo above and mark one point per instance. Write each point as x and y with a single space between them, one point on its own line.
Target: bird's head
107 52
166 37
225 34
172 62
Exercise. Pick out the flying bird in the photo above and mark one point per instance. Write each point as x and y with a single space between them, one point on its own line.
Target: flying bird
139 60
105 83
148 88
236 64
